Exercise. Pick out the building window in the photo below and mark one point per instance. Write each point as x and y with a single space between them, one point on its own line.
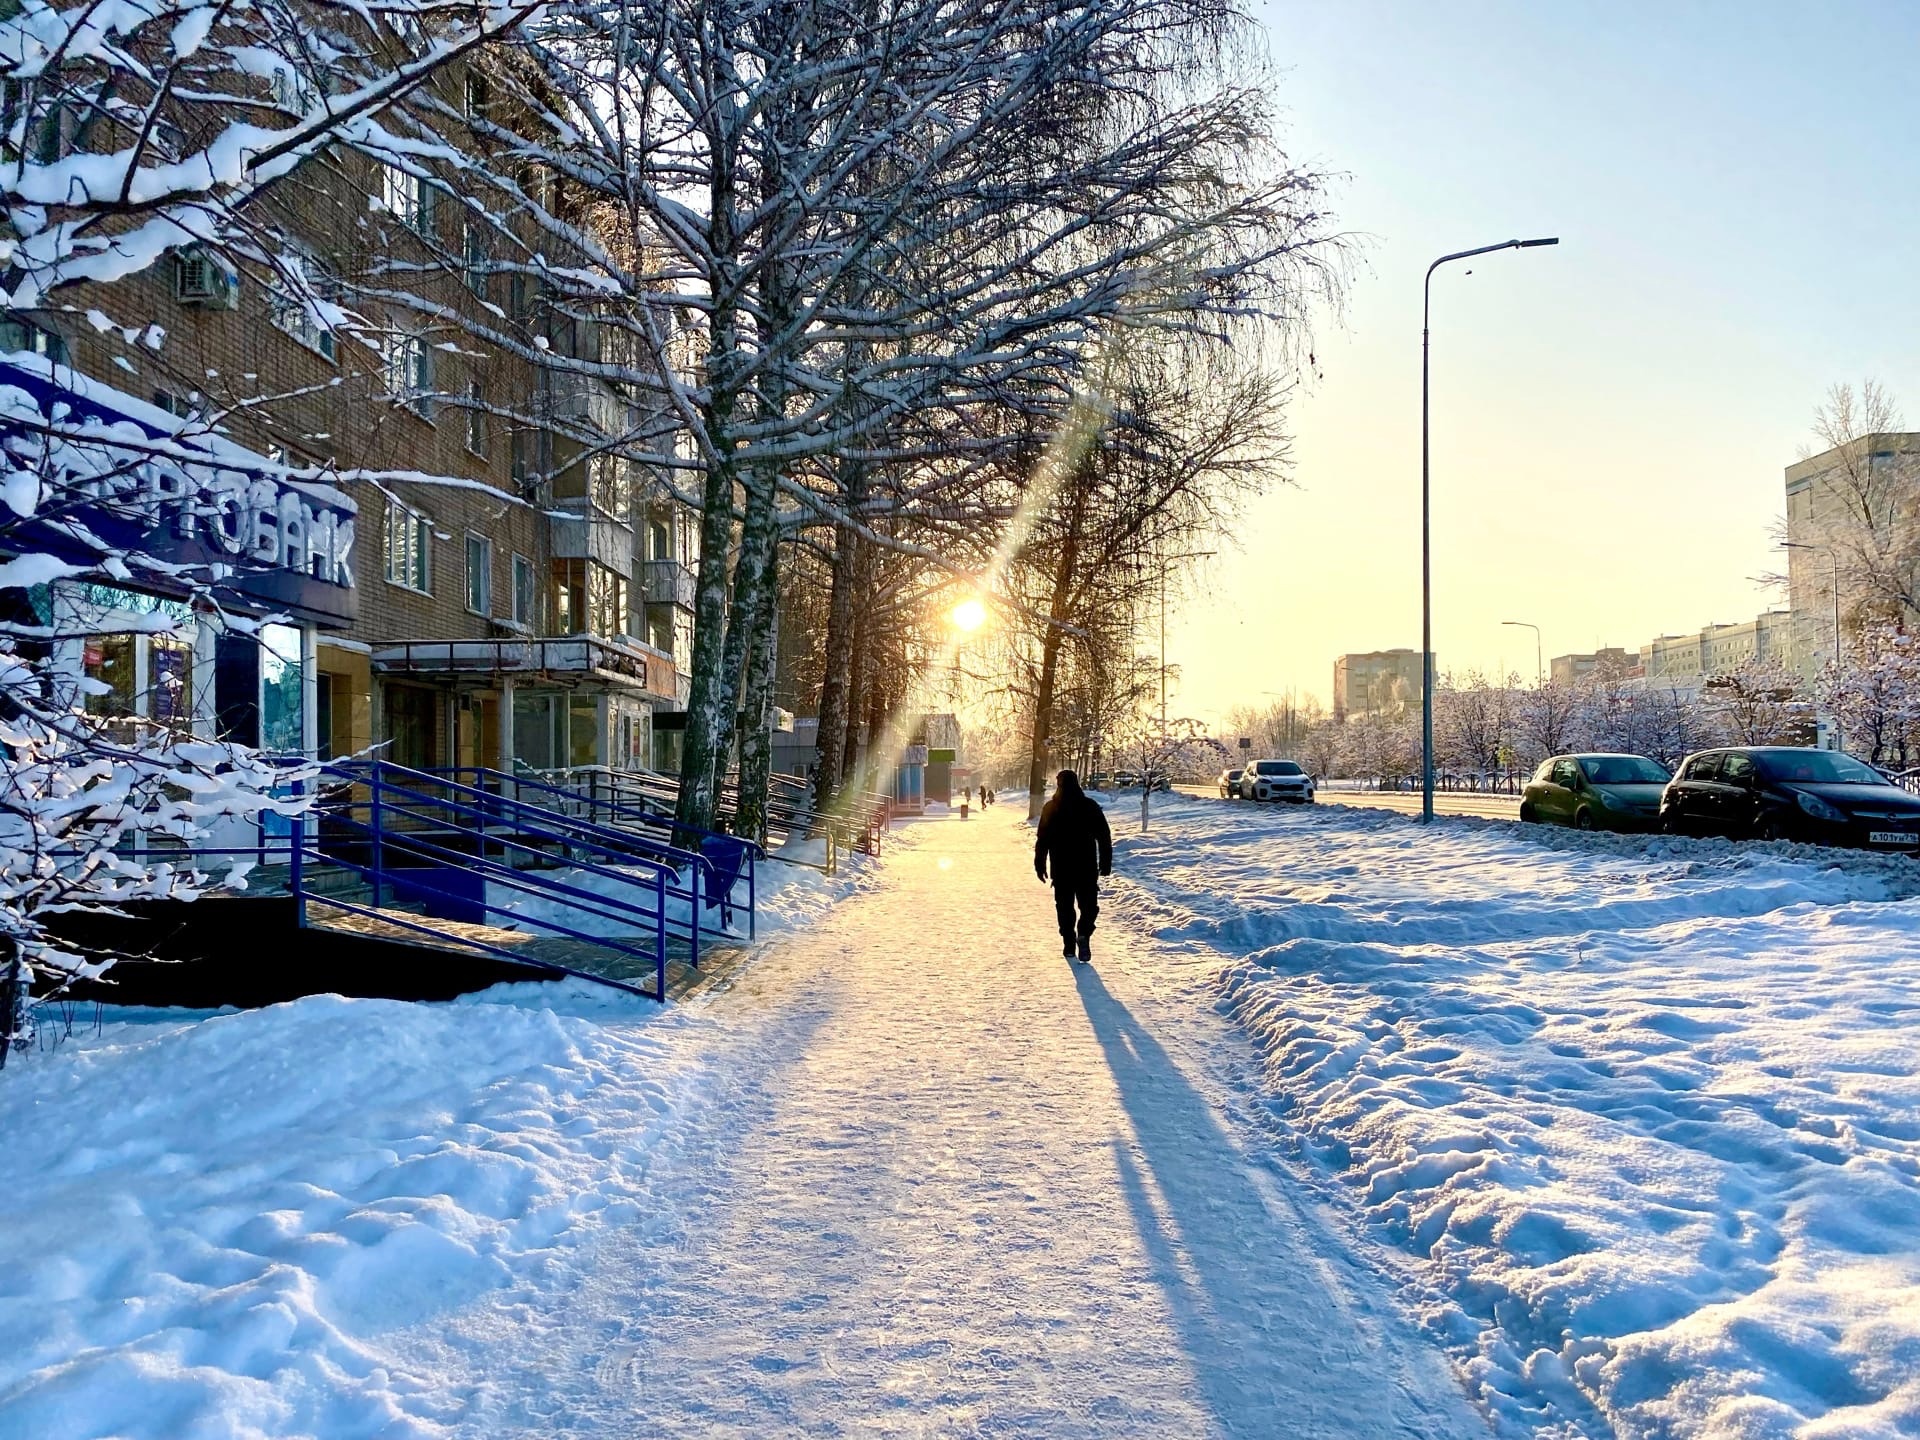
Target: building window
473 256
181 407
293 91
609 485
476 420
409 547
525 463
291 309
589 598
477 96
479 574
18 335
523 591
406 197
659 541
407 371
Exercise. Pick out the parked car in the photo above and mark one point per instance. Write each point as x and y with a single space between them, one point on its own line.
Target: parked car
1276 780
1781 792
1230 784
1596 792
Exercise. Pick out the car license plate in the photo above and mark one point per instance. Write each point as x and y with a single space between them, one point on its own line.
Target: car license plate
1893 837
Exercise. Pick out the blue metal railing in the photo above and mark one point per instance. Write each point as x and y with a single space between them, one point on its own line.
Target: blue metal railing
723 859
467 852
402 803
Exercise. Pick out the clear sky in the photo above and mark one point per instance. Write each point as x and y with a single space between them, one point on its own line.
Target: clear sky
1736 188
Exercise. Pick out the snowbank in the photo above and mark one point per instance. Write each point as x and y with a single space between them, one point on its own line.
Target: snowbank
212 1226
1645 1114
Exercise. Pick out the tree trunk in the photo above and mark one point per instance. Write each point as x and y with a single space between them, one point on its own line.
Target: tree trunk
16 1020
752 575
859 681
756 743
836 697
711 697
1058 609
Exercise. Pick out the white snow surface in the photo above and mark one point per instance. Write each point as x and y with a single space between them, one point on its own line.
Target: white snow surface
906 1173
1641 1116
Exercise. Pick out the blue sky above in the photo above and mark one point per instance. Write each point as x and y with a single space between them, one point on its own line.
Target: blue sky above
1737 192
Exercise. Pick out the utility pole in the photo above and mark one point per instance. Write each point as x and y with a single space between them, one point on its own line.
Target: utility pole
1426 515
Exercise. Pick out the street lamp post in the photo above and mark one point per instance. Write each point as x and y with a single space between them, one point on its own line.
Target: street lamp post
1426 513
1539 663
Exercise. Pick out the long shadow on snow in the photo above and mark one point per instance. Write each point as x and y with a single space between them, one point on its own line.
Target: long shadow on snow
1264 1319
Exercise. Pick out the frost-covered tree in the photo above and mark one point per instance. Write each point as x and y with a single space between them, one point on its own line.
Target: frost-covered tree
1759 703
129 133
1873 694
1551 719
1472 723
844 244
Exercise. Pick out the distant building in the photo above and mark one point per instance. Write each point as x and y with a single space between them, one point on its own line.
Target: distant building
1688 660
1825 494
1571 669
1378 682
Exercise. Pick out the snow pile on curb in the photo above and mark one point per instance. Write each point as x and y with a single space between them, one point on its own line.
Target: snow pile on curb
213 1226
1647 1121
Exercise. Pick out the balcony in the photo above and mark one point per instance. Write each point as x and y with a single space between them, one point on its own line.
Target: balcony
587 533
667 582
584 400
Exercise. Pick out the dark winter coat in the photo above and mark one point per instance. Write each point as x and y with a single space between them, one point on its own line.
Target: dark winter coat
1073 839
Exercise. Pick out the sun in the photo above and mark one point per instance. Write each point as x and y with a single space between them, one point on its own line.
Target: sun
969 615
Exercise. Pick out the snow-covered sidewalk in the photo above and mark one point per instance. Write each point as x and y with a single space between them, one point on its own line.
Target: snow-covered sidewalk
910 1174
1642 1116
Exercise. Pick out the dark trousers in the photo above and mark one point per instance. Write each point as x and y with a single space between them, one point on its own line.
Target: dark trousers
1083 890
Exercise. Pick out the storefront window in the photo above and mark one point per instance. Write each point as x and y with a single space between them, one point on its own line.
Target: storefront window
282 701
112 688
146 676
170 681
584 730
533 729
410 726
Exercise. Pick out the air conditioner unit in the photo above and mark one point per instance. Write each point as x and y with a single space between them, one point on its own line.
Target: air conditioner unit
200 279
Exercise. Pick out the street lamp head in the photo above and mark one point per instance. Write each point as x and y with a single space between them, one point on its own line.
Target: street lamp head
1529 244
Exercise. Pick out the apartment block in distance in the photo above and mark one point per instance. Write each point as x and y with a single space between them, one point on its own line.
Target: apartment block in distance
1824 492
1378 682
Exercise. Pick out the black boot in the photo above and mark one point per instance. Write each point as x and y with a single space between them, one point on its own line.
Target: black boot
1066 952
1086 949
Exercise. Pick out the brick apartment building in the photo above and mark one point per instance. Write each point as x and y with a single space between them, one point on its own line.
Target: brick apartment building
526 602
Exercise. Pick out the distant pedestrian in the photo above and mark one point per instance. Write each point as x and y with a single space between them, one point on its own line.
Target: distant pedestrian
1073 847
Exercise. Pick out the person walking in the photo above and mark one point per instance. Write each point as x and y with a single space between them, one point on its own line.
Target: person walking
1073 847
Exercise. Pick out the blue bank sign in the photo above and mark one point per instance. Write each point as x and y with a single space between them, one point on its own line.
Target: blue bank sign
119 476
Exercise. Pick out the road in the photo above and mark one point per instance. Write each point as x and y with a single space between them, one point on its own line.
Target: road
1492 807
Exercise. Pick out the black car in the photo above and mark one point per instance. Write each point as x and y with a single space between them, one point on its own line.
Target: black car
1790 793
